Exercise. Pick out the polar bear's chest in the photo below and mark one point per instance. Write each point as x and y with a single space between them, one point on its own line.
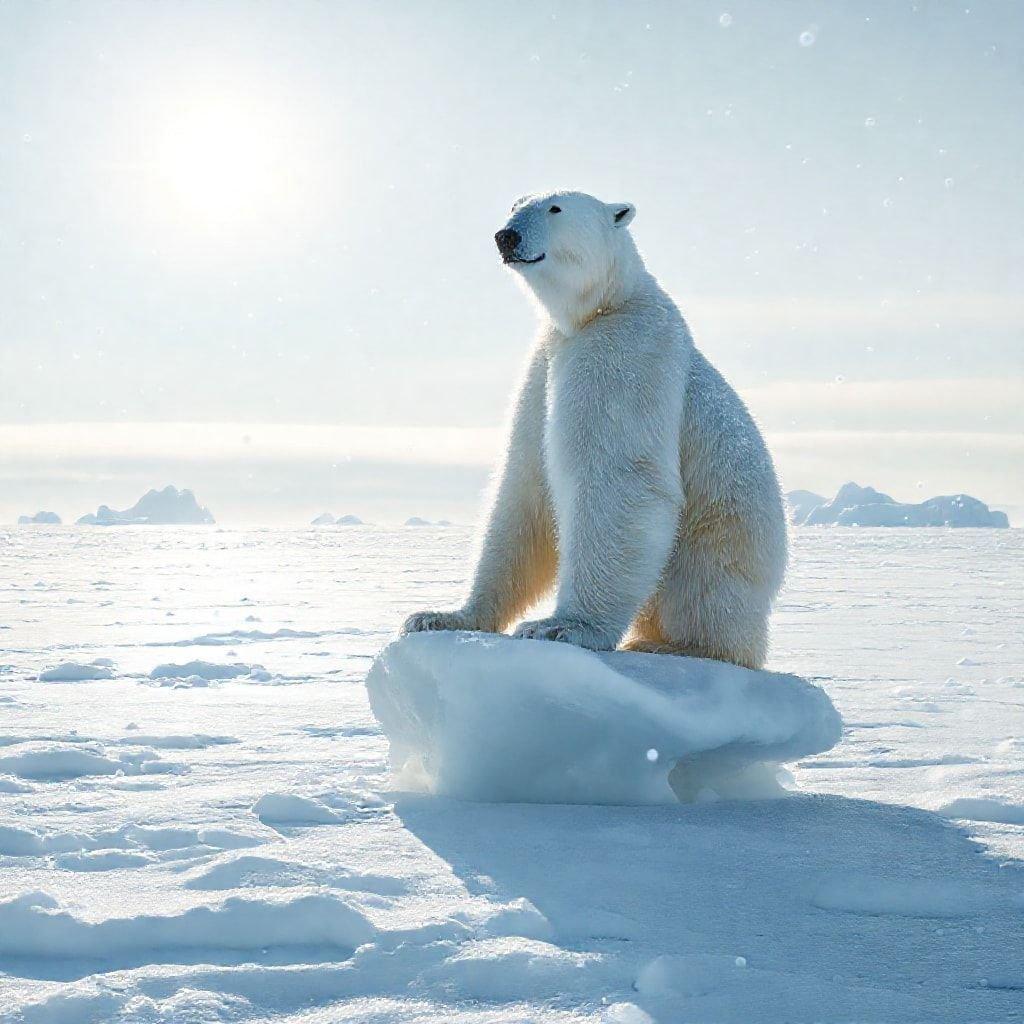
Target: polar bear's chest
574 398
613 410
590 407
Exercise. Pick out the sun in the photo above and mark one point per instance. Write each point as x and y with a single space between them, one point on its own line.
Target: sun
220 163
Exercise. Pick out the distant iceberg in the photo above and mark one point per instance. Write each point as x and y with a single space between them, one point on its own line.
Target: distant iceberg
480 716
854 505
800 504
169 507
326 519
40 518
849 497
417 521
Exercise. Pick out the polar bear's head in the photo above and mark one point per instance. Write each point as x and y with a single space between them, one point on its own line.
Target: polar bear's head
572 251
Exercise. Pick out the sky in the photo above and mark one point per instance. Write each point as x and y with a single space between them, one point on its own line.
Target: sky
248 247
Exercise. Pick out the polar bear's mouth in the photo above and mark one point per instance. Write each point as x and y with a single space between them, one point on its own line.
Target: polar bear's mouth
519 259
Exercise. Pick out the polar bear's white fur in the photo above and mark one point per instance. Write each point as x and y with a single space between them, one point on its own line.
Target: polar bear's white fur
634 477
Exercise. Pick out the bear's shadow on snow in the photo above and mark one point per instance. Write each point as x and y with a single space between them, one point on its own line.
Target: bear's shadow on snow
814 884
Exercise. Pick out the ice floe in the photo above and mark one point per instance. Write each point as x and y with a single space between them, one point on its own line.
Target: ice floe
73 672
487 717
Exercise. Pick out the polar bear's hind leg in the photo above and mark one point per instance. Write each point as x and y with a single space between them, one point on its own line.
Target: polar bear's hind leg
715 596
728 623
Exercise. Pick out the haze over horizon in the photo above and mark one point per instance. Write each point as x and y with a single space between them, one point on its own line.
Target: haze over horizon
248 250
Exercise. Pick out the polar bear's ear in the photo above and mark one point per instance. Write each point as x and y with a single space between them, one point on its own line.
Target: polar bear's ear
622 213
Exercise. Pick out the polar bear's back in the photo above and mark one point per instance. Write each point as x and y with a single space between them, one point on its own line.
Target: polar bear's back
733 501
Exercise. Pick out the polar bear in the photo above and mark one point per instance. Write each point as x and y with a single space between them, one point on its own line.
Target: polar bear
634 476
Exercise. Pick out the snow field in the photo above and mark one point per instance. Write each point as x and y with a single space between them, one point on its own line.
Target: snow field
237 851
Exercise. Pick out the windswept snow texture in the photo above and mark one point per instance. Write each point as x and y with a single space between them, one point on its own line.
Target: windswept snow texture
486 717
193 850
864 506
155 508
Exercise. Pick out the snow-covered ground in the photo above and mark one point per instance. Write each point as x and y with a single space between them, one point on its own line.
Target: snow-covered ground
197 824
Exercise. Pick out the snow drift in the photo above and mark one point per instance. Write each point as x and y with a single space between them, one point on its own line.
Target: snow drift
486 717
35 924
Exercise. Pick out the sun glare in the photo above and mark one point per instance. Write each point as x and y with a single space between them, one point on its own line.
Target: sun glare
220 163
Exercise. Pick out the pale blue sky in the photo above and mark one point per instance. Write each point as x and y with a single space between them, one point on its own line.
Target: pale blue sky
832 192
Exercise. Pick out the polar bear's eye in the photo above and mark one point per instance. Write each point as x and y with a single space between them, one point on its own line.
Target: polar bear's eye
555 209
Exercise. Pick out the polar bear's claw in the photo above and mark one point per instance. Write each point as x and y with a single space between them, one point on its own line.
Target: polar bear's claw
566 631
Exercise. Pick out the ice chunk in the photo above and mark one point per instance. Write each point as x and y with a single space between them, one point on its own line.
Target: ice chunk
73 672
487 717
292 809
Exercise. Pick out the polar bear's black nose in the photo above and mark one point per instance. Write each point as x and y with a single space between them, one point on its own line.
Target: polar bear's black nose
507 239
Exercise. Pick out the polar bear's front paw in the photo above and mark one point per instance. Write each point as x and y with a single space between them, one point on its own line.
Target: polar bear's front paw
567 631
423 622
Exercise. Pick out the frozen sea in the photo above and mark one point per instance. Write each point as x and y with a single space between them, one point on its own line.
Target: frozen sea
197 823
